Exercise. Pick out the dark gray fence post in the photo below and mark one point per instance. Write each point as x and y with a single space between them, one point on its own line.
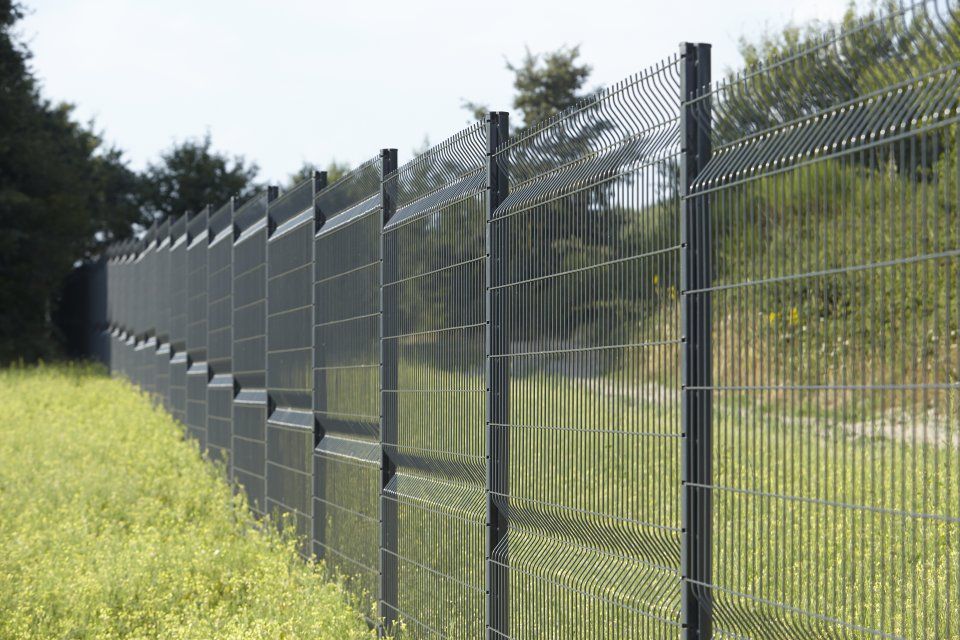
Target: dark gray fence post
695 318
389 309
498 383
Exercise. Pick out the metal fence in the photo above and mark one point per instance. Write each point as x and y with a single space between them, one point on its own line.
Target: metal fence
161 317
832 220
248 461
198 240
347 375
681 361
219 331
432 359
291 432
177 399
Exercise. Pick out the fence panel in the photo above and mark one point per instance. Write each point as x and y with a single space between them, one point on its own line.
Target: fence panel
128 341
136 311
587 292
198 373
119 339
346 376
120 274
834 229
249 441
146 315
133 310
178 319
136 303
151 309
433 391
113 296
290 425
219 334
161 292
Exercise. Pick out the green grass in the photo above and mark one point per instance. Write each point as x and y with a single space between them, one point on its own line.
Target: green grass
114 527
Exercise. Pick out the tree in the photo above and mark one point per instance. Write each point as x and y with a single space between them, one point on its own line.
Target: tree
545 84
548 84
191 175
114 207
63 194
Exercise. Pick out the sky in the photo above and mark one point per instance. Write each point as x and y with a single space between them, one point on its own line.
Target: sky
294 81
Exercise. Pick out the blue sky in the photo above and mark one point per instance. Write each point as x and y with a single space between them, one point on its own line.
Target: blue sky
290 81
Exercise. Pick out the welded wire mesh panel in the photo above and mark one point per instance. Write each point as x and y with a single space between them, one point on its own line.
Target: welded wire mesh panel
136 312
127 341
219 334
118 311
144 351
129 346
586 290
113 294
178 319
197 371
832 201
135 302
140 275
118 337
346 377
433 389
161 291
248 455
123 274
290 432
147 343
150 280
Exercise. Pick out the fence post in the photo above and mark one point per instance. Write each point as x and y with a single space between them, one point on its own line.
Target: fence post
498 383
389 309
697 400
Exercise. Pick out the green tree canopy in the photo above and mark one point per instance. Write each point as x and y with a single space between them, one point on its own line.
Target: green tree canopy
544 84
191 175
63 195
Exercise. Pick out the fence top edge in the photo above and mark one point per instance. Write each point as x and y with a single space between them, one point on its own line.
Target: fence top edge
370 204
834 35
251 211
355 187
295 200
197 224
651 77
901 88
340 184
443 165
222 218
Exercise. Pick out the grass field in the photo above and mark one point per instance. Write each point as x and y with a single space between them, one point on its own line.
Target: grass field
114 527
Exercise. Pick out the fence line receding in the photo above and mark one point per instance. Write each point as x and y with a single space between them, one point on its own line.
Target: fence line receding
682 361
